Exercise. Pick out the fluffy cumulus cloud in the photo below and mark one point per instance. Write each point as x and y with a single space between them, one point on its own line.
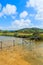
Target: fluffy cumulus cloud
38 6
8 10
19 24
23 14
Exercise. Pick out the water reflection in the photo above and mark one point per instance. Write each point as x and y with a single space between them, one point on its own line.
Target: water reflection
34 52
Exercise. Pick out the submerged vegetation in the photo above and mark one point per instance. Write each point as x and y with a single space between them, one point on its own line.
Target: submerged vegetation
31 33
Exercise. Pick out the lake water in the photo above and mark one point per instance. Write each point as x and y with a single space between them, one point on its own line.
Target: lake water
34 48
6 38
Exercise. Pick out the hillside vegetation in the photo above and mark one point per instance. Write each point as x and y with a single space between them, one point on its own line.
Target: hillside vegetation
24 33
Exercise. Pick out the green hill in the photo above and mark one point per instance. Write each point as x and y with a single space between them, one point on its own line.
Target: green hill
29 30
26 32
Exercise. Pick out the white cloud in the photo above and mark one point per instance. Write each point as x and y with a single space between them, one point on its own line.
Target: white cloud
38 6
23 14
19 24
39 16
1 14
8 10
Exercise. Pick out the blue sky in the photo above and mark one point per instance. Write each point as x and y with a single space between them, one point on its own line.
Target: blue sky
18 14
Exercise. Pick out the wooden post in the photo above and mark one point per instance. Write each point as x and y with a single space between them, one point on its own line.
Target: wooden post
13 42
1 44
23 46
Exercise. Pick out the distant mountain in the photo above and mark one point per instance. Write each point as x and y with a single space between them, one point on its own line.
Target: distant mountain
29 30
25 30
24 33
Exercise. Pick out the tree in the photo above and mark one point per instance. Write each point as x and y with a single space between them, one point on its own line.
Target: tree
35 35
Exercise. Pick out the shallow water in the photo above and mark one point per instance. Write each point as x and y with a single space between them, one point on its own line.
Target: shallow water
33 50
